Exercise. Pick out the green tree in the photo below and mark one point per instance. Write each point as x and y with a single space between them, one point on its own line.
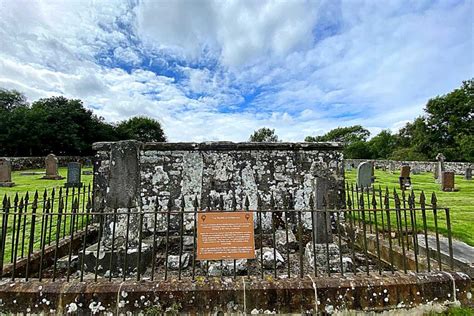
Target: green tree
382 145
264 134
141 128
354 139
10 99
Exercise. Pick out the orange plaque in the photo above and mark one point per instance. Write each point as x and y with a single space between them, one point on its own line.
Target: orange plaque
225 235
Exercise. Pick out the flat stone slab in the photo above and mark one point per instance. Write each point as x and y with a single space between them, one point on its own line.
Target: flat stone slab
6 184
32 173
463 254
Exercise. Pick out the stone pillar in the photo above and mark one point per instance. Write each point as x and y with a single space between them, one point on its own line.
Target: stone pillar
122 194
5 173
320 235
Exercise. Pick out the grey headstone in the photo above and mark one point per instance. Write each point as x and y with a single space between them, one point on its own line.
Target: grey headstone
73 175
5 173
468 174
364 175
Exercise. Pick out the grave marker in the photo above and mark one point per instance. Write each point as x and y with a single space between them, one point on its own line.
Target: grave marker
5 173
447 181
364 175
439 169
51 163
404 179
73 175
468 174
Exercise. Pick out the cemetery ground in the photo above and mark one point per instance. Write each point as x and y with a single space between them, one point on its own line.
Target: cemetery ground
460 202
30 184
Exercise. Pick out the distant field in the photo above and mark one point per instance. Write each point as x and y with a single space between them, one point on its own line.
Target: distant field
460 203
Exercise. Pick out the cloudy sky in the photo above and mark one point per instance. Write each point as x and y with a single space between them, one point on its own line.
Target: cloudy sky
217 70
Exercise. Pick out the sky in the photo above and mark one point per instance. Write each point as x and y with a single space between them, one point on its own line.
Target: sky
218 70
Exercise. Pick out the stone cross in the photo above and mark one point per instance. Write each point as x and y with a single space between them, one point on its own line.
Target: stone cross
364 175
447 181
51 163
5 173
73 175
439 167
468 174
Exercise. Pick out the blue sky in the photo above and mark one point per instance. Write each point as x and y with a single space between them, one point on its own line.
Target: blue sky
217 70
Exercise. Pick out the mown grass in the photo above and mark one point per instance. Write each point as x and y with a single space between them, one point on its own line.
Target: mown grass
30 184
460 203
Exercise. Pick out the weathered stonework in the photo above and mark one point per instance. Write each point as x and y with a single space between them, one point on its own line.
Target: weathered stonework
221 169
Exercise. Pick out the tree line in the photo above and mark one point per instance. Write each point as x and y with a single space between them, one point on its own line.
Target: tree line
447 127
65 127
62 126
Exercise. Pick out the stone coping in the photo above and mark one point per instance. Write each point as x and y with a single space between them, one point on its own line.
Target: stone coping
241 295
225 146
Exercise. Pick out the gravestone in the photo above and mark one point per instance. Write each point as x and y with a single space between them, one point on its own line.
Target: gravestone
51 163
416 170
364 175
468 174
447 181
404 179
439 169
73 175
5 173
391 166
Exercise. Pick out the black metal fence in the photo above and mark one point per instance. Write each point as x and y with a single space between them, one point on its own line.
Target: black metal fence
61 237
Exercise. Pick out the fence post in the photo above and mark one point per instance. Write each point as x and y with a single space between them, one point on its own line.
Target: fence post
3 236
435 215
32 234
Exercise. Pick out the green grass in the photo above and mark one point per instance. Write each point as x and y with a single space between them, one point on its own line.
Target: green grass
460 203
32 183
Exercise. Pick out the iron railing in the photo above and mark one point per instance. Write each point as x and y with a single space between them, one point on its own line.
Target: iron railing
377 232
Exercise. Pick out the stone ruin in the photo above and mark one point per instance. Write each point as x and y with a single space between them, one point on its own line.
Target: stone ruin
153 176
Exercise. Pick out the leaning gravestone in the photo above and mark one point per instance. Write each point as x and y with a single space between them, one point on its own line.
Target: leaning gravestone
73 175
51 163
364 175
439 169
468 174
447 181
5 173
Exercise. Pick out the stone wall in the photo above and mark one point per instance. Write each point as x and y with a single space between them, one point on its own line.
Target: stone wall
146 176
23 163
423 166
175 170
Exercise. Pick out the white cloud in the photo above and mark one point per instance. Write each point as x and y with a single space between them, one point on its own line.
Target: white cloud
223 69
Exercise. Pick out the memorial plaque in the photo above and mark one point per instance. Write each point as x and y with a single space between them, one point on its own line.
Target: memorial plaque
225 235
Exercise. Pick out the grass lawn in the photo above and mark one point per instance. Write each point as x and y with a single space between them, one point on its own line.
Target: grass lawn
31 183
460 203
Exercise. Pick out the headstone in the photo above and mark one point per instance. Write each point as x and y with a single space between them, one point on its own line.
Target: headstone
416 170
468 174
439 167
404 179
349 167
447 181
391 166
405 171
73 175
51 163
364 175
5 173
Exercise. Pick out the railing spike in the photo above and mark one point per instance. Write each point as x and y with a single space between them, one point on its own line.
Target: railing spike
221 202
169 204
234 201
434 200
272 201
374 200
311 201
195 202
422 198
247 202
